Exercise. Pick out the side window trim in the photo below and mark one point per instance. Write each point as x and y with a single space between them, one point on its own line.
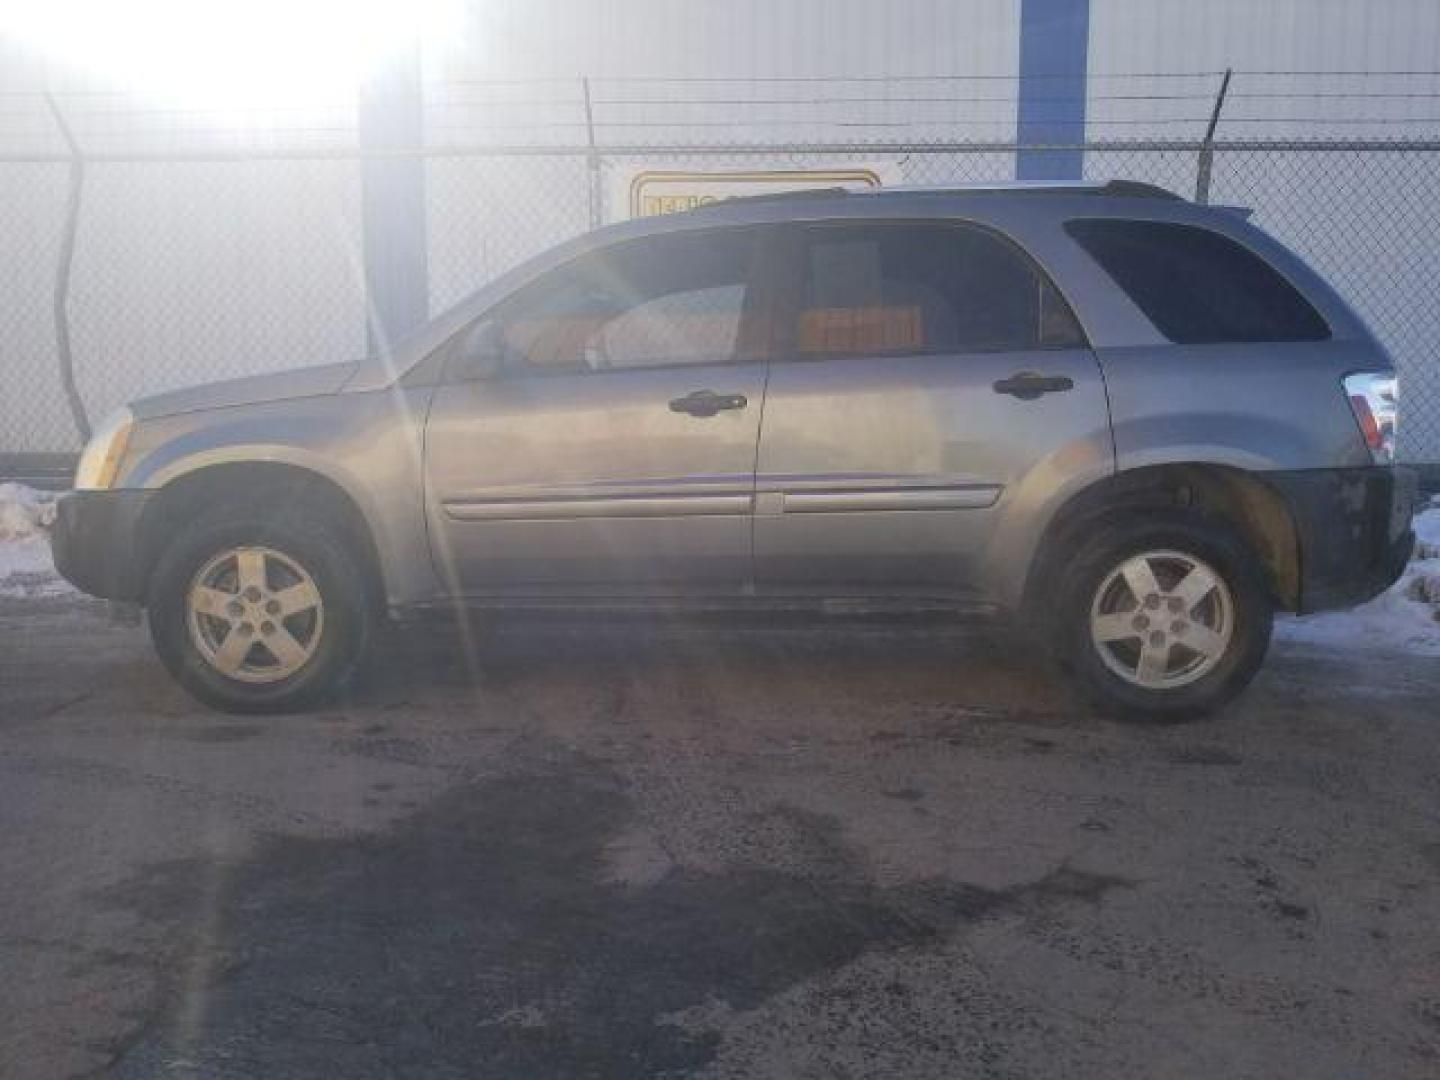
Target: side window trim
791 249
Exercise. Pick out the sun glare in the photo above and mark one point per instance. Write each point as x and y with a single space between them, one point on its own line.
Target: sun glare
262 52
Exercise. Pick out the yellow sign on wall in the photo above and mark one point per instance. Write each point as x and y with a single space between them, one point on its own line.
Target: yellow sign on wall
646 192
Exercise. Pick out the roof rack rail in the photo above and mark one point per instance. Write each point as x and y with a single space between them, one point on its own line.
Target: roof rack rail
1139 189
1130 189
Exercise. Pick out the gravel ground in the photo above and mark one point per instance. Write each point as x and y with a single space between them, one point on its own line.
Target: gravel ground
581 849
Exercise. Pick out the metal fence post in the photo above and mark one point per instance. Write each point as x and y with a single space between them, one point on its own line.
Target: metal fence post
1207 146
390 117
64 265
592 159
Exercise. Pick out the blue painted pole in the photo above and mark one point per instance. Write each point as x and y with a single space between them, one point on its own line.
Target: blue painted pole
1054 50
391 116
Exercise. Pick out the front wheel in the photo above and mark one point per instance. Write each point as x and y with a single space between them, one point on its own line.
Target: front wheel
1166 615
259 617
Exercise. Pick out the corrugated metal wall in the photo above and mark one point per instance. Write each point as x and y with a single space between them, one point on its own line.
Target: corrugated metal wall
734 39
1308 68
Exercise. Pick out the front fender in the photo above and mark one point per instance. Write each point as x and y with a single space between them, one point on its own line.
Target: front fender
368 445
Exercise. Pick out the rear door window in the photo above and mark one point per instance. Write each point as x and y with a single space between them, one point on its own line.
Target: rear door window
1197 286
903 288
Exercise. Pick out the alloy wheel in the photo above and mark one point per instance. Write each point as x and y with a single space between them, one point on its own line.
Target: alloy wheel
1162 619
255 614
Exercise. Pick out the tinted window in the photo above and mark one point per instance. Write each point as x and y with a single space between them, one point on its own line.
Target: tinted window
661 301
1197 286
904 288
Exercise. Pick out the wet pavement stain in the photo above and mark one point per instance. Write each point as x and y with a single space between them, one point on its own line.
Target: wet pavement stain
407 954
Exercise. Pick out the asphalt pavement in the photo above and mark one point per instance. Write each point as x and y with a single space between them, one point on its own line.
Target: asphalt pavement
662 849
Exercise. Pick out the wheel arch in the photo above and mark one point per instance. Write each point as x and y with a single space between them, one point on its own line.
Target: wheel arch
241 482
1240 497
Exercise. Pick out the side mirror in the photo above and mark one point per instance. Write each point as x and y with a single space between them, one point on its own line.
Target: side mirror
481 352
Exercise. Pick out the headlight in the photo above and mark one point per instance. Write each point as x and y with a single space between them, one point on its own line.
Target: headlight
103 453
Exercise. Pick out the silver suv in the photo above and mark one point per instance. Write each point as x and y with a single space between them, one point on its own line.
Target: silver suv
1137 424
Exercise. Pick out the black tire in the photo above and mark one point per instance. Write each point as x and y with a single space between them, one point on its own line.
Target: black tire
1190 533
313 544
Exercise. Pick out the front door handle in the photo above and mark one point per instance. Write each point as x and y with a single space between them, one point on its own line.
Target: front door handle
707 403
1028 385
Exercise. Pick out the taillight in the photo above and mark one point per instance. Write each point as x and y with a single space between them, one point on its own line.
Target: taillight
1369 426
1373 400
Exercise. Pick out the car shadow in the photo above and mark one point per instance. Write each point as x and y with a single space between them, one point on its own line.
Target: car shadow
799 662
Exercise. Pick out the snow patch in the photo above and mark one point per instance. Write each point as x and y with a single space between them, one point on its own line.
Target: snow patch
26 565
1427 531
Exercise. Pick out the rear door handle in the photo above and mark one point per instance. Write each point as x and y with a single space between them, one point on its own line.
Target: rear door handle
1029 385
707 403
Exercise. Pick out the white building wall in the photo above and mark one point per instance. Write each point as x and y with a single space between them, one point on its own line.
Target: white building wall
718 71
1306 68
734 39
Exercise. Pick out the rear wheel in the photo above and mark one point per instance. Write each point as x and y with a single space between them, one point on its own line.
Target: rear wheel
259 617
1166 615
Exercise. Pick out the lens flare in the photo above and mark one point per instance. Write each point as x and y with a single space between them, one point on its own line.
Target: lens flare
263 52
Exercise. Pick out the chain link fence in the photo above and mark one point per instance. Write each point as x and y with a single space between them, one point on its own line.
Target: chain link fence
189 269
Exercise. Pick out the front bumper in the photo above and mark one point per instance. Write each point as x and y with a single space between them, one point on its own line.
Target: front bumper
98 544
1354 531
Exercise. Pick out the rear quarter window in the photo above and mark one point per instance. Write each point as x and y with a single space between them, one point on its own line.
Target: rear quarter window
1197 286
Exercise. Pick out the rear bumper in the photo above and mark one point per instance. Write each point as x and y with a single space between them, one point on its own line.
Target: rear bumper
1354 531
97 542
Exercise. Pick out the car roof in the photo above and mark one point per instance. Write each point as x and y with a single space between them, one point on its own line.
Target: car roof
981 201
966 200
